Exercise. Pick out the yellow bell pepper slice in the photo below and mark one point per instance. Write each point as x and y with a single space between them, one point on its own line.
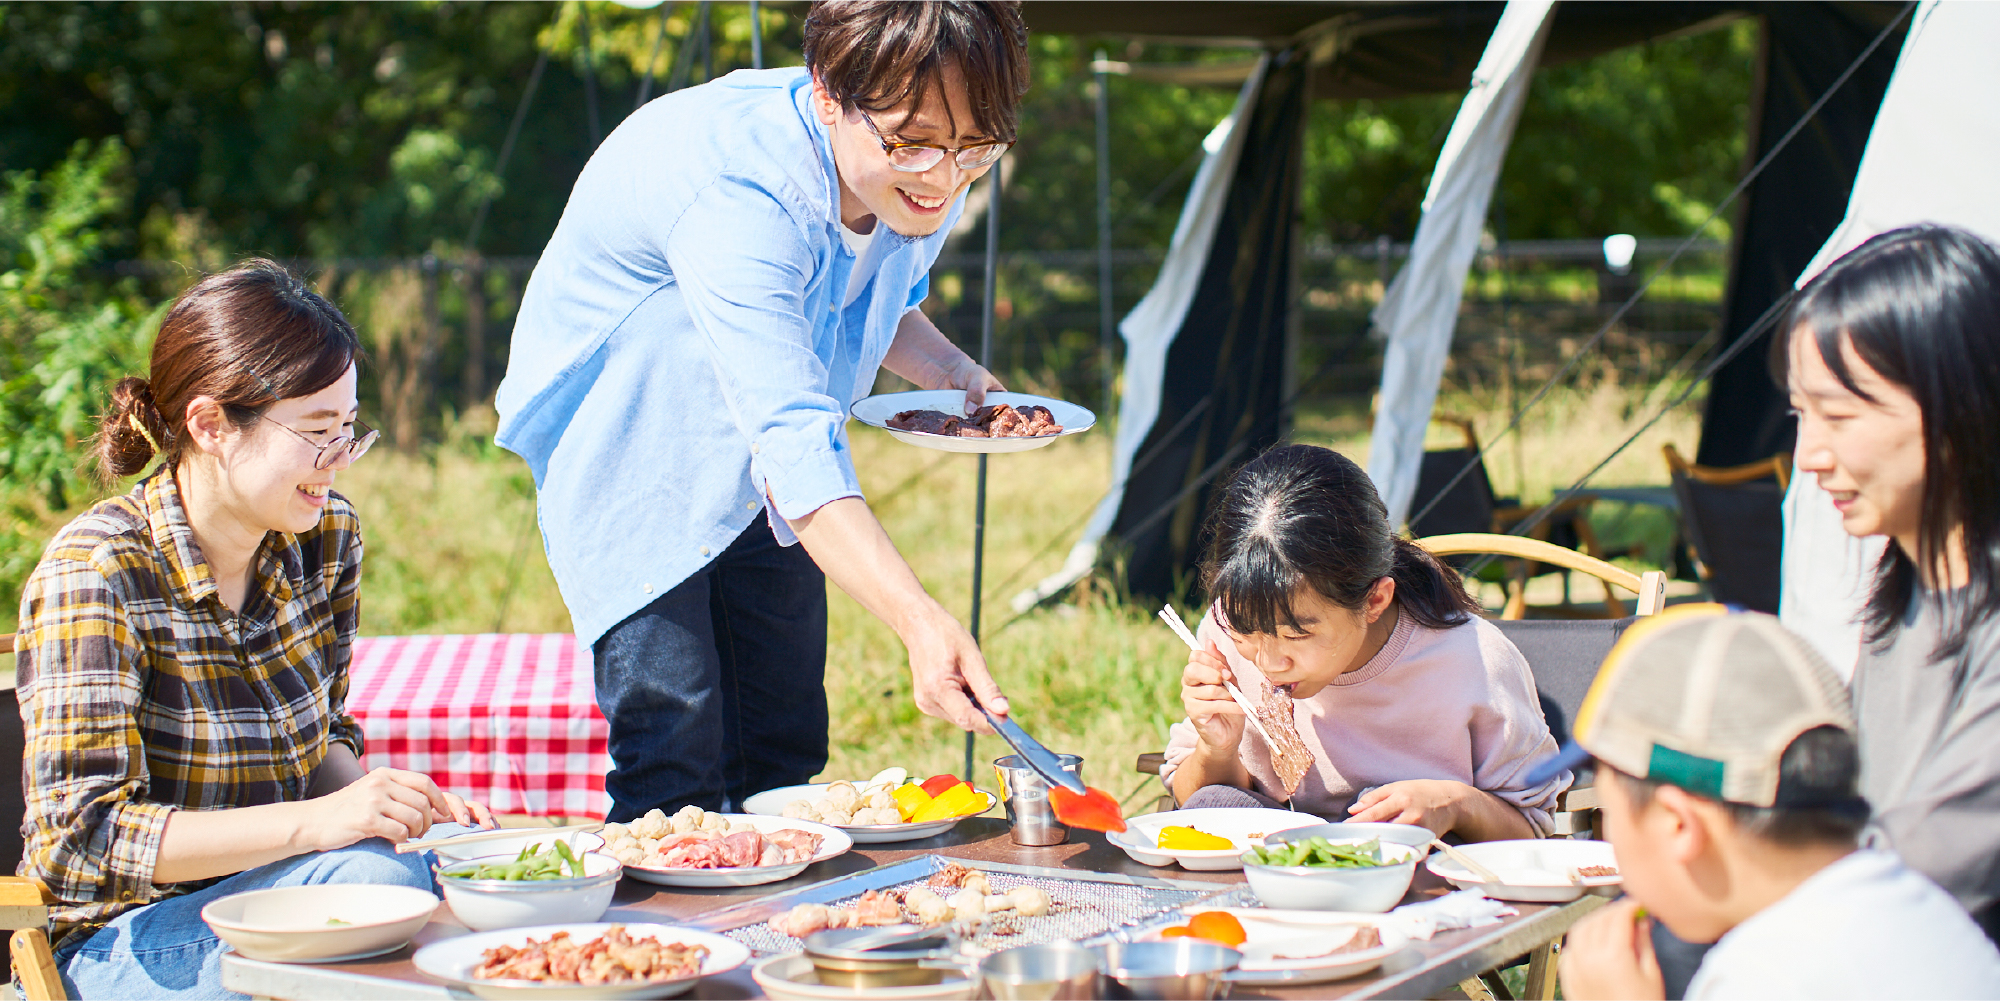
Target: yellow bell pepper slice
1189 839
957 801
909 799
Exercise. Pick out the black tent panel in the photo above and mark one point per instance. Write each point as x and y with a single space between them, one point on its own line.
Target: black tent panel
1795 205
1228 359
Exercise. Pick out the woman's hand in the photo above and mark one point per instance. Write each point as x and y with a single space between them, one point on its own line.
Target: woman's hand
1610 955
1433 803
385 803
1217 719
464 811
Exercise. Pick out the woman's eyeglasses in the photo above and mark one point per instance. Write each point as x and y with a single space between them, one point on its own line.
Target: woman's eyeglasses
915 158
356 445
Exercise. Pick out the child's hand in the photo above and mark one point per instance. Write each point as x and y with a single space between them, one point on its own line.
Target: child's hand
1432 803
1610 955
1217 717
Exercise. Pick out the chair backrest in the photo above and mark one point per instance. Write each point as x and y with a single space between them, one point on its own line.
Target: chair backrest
1735 520
1467 507
1651 586
13 803
1564 655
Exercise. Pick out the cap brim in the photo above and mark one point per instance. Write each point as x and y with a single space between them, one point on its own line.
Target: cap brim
1570 758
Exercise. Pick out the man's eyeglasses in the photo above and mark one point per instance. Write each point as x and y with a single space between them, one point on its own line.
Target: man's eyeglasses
915 158
356 445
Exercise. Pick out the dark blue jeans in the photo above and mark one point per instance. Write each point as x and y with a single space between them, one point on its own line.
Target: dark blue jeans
718 688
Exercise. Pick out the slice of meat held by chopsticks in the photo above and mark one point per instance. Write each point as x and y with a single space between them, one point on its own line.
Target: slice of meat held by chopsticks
1271 716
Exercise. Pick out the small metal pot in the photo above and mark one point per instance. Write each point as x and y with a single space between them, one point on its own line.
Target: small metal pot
1180 969
1056 970
890 956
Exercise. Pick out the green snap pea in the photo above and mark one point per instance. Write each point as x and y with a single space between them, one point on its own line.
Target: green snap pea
1320 853
531 863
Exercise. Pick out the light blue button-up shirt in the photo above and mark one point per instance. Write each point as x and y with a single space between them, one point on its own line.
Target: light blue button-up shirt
691 339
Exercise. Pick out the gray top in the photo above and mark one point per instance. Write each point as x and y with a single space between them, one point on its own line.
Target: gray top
1930 753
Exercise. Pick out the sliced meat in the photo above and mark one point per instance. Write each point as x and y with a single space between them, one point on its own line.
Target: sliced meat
995 421
926 422
743 848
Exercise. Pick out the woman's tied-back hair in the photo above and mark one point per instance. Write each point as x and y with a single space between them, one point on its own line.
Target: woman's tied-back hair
881 55
248 337
1921 306
1302 516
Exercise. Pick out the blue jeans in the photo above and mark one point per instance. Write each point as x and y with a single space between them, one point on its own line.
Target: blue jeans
165 950
717 690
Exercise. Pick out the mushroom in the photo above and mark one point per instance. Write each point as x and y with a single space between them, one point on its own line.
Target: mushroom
969 905
843 795
687 821
1029 901
800 809
926 906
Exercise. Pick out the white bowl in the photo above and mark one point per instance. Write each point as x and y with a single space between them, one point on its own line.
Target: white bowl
1531 871
1245 827
294 924
790 977
875 411
579 842
1369 890
1412 835
836 842
771 803
487 904
454 959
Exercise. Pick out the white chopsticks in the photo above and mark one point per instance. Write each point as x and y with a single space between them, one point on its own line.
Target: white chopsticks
1173 621
496 834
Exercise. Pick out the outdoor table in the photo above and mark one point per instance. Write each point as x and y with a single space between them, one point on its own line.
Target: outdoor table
1423 969
509 720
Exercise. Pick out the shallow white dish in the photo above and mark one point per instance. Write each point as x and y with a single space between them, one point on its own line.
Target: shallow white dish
1140 838
1371 890
875 411
1531 871
1265 940
489 904
291 924
836 843
790 978
1396 834
771 803
453 960
579 842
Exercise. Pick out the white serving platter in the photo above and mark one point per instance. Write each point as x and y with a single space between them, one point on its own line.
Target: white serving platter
1268 938
1140 839
452 960
875 411
771 803
836 843
1531 871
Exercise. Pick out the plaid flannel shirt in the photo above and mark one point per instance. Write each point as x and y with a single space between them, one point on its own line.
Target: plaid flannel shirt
142 693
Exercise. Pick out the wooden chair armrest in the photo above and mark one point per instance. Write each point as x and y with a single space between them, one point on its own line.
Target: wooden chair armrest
35 966
1151 762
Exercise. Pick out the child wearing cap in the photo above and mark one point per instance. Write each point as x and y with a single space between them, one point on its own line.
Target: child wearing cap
1727 763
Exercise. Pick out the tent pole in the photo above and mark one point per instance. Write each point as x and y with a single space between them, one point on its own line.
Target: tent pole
589 75
756 38
985 361
1104 304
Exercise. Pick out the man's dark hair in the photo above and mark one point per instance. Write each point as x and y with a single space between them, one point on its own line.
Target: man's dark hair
1817 801
881 55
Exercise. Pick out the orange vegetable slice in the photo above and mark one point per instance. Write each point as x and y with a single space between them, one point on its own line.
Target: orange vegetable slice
1095 810
1217 926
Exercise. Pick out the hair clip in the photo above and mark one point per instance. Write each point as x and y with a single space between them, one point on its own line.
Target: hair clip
133 419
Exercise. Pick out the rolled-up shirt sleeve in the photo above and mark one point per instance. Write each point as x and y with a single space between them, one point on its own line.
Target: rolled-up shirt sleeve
90 833
344 600
747 298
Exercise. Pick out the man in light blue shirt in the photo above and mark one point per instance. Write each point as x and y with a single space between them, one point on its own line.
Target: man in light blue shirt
735 264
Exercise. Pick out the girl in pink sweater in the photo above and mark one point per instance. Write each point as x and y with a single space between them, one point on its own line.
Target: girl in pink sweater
1413 708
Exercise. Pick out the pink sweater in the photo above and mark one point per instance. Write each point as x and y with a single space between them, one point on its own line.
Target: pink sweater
1454 703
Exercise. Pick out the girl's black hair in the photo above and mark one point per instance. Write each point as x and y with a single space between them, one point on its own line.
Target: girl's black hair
1921 305
1304 516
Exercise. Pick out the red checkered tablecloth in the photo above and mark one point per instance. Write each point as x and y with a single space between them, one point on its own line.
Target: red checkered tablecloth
508 719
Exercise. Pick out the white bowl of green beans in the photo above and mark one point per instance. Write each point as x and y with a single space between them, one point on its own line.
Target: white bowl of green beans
1321 874
542 884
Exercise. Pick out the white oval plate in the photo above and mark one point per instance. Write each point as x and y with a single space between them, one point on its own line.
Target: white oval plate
1263 937
875 411
453 960
1140 839
837 843
1531 871
771 803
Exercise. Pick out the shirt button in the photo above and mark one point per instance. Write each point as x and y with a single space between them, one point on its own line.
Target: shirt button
704 550
753 448
750 506
648 588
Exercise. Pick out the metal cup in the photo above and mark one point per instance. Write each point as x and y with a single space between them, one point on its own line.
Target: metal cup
1039 973
1183 969
1027 799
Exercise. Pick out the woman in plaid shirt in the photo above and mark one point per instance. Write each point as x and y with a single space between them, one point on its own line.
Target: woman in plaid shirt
184 647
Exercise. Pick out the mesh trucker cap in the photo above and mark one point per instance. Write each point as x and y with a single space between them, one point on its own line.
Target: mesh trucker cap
1707 699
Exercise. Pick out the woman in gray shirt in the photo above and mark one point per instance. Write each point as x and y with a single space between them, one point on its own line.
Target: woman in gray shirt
1893 365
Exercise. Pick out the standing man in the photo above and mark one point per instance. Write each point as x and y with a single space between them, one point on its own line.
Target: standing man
735 264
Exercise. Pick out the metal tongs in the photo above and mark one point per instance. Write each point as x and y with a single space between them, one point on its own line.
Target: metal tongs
1041 759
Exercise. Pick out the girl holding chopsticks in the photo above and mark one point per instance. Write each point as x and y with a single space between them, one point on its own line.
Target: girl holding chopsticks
1408 707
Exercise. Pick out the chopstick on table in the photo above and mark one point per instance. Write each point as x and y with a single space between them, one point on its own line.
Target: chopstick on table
1174 622
494 835
1485 875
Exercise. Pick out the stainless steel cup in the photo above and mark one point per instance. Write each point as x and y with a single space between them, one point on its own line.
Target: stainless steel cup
1039 972
1178 970
1027 799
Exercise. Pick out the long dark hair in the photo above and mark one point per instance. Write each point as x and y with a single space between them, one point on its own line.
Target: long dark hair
249 337
1921 305
1302 516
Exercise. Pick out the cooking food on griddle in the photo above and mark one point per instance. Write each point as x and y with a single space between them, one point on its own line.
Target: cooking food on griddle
998 421
956 893
614 957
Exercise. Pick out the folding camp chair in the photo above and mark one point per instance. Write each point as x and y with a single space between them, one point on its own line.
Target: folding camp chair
1733 520
24 903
